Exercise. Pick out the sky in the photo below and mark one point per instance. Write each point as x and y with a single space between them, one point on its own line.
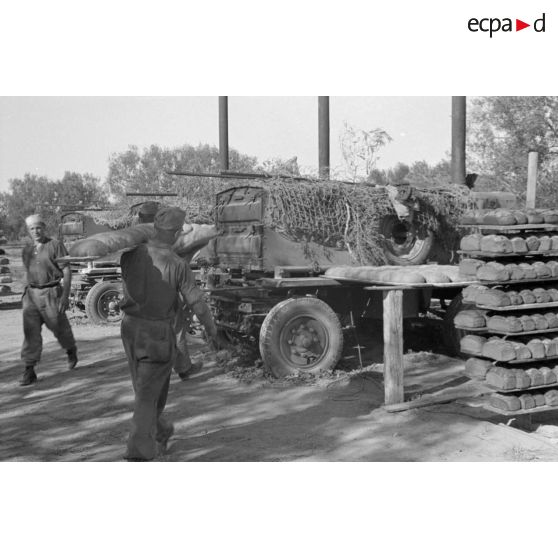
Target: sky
50 135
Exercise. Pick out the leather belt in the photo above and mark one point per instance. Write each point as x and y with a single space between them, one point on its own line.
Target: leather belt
45 286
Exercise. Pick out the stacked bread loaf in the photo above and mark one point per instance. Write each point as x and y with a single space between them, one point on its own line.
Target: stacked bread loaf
5 273
511 314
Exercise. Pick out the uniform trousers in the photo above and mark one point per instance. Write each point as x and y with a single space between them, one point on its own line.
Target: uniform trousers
40 306
150 347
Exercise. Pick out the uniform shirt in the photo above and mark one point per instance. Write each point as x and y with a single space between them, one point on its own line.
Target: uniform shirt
153 276
40 261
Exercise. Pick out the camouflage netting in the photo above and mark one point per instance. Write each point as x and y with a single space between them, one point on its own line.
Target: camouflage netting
440 209
329 213
335 214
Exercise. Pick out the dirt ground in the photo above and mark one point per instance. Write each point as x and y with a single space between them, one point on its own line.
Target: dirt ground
237 413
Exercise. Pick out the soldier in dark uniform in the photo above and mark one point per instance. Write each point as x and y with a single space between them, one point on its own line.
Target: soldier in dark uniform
153 276
183 364
45 298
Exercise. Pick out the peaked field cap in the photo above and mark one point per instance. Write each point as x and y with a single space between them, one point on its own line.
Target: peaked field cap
170 218
149 208
35 219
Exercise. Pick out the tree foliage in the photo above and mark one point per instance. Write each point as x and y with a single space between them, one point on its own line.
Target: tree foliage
38 194
146 171
501 132
420 173
360 149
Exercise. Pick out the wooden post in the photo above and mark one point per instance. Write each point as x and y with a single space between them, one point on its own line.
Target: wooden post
224 133
458 132
393 346
532 179
323 136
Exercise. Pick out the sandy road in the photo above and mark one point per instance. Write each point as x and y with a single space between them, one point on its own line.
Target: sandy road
84 415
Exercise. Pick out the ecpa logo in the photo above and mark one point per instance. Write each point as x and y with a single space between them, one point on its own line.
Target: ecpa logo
494 24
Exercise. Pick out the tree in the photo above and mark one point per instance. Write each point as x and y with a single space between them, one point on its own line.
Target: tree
420 173
501 132
32 194
146 171
280 166
360 149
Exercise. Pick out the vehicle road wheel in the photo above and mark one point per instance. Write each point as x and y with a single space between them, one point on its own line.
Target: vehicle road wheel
403 244
102 304
301 334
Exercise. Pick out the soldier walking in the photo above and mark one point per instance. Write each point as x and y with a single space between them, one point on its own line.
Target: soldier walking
45 298
153 276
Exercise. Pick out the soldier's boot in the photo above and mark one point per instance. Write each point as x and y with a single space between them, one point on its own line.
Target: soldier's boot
29 376
72 358
194 369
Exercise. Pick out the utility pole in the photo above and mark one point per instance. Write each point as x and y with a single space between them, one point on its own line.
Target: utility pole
458 131
224 133
323 136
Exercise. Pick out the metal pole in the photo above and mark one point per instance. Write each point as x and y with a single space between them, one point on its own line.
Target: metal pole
224 132
323 136
532 179
458 123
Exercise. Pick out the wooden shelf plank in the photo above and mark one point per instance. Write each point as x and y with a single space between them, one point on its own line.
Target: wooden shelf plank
497 255
541 409
519 361
514 228
519 307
